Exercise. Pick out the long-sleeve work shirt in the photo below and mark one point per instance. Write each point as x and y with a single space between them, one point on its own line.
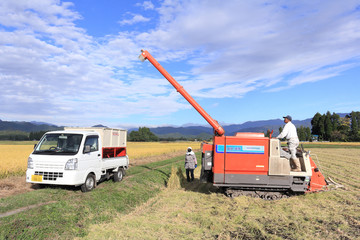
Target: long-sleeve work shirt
289 132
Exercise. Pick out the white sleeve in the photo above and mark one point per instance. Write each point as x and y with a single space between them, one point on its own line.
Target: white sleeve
284 132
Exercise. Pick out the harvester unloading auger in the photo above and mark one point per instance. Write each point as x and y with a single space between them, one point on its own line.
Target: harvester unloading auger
249 163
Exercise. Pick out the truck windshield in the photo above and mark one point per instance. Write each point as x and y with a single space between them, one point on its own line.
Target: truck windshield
59 143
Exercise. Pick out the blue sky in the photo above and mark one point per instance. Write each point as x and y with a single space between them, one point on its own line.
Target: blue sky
75 63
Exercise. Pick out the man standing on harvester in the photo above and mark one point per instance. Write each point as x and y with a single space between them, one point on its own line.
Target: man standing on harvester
190 164
289 132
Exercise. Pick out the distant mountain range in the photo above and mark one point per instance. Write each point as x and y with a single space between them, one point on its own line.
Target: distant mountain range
27 126
201 132
198 132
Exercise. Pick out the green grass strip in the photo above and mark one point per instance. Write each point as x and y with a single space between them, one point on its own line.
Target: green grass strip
70 212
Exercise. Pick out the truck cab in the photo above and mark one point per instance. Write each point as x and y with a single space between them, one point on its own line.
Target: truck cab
78 157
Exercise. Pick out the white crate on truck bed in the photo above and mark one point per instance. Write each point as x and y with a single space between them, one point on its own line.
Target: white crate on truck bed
111 137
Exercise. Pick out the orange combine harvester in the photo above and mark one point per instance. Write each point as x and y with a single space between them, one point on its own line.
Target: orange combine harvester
249 163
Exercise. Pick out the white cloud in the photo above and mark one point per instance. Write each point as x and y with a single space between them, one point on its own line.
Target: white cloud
136 18
147 5
254 44
50 67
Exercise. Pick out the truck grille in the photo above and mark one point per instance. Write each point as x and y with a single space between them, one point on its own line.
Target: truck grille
51 176
44 165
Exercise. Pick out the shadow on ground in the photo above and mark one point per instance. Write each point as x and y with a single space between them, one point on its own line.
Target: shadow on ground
177 175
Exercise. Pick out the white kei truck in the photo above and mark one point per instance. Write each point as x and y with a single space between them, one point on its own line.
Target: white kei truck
79 157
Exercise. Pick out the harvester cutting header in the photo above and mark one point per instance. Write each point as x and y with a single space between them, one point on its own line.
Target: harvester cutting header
249 163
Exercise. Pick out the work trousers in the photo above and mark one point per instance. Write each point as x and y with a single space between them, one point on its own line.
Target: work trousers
292 144
188 173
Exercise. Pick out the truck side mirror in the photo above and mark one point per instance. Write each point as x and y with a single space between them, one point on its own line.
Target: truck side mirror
87 149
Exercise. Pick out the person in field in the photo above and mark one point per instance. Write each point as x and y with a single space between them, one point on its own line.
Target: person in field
289 132
190 164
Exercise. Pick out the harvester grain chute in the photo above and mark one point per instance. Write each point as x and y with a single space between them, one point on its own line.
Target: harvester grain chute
249 163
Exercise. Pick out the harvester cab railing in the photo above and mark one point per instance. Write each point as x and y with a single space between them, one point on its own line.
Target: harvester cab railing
217 127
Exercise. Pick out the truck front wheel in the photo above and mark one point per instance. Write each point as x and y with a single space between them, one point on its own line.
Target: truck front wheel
118 176
89 184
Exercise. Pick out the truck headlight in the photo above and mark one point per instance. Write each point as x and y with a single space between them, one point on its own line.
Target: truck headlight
71 164
30 163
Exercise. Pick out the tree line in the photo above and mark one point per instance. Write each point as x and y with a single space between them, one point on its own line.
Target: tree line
304 133
145 135
332 127
21 136
324 127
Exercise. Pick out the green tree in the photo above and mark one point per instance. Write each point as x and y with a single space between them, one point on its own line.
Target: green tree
14 135
328 125
304 133
308 134
143 135
344 126
134 136
300 133
315 123
335 119
355 126
322 127
36 135
337 136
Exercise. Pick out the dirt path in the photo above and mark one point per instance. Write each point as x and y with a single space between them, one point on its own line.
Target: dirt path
23 209
16 185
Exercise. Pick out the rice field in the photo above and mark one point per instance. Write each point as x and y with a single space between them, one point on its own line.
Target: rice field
138 150
191 211
154 202
335 143
13 157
